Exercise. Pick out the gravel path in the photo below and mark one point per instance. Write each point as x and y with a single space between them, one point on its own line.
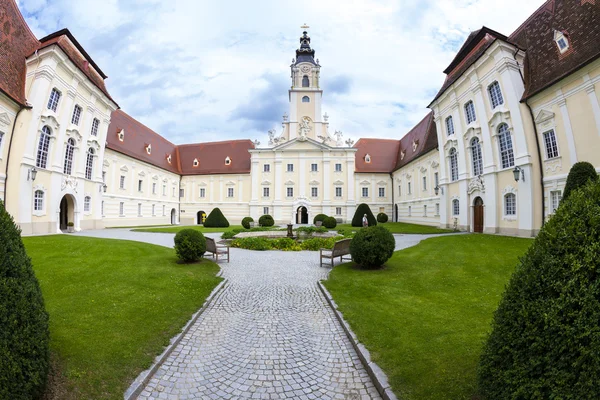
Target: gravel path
269 334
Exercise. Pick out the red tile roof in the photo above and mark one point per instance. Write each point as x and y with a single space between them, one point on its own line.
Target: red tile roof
383 154
137 137
211 157
16 43
544 65
423 135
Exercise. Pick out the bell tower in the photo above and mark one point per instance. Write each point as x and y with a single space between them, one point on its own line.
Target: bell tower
305 118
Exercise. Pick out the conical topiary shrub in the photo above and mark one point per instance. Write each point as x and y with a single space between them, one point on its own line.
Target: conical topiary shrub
24 333
545 339
361 210
216 219
579 175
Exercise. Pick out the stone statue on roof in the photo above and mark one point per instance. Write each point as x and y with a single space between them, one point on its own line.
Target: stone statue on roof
304 128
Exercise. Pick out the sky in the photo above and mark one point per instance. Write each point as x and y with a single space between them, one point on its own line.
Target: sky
206 70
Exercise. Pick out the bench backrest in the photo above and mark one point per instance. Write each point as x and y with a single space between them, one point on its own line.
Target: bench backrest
211 247
341 247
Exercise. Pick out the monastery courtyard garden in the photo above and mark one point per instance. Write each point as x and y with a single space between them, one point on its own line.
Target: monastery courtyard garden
115 304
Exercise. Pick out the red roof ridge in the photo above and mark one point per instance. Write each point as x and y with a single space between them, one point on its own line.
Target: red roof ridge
218 142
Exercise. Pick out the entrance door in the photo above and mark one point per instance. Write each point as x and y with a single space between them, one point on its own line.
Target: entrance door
201 216
478 215
64 213
302 215
173 217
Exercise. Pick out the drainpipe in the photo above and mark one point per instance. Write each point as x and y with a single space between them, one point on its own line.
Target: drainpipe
179 201
12 137
394 217
537 144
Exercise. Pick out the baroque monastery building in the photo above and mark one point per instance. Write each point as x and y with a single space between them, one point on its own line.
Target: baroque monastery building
513 115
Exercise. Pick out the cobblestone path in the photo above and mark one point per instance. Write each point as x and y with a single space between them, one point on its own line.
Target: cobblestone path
269 334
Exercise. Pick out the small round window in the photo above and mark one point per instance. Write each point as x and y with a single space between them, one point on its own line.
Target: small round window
306 99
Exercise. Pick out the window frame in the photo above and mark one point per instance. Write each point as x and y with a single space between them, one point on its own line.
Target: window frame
339 190
314 167
54 99
87 204
266 192
314 192
555 197
89 164
76 116
290 168
365 192
476 157
95 127
39 201
338 167
510 207
453 159
455 207
289 192
122 182
449 125
495 94
550 144
305 99
68 160
230 193
41 160
266 167
381 192
507 155
470 114
202 193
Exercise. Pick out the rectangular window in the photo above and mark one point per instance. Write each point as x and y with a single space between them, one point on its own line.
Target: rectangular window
173 191
409 188
140 184
139 209
338 192
164 211
122 182
102 208
556 196
495 94
449 126
267 168
455 207
436 179
1 136
313 168
338 167
550 143
338 211
424 210
290 168
153 210
410 211
381 192
38 201
181 193
314 192
437 209
510 204
95 125
229 192
400 190
76 115
470 112
424 183
266 192
153 188
122 209
87 204
164 190
365 192
290 192
202 192
265 210
53 100
104 176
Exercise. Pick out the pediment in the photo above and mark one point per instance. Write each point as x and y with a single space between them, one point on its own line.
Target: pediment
500 117
230 183
124 168
155 178
289 183
202 184
338 182
314 183
382 183
365 182
308 144
142 174
106 163
266 183
4 120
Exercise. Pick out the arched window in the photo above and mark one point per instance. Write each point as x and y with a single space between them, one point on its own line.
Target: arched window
89 164
476 157
42 154
449 126
38 200
95 125
455 207
453 164
68 165
87 204
506 148
306 99
305 81
495 94
510 204
470 112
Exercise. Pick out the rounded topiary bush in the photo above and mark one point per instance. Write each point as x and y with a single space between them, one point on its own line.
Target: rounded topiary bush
266 220
382 217
372 246
190 245
319 217
24 333
246 222
216 219
579 175
361 210
545 337
329 223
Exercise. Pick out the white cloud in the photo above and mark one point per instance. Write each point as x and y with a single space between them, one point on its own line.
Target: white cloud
187 68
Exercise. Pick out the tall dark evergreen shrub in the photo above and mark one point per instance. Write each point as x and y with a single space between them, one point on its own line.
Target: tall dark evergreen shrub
24 333
545 339
580 173
361 210
216 219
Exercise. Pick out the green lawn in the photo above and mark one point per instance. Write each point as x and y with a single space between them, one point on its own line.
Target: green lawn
113 307
424 317
401 227
175 229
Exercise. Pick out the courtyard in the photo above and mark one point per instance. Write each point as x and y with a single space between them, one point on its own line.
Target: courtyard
268 332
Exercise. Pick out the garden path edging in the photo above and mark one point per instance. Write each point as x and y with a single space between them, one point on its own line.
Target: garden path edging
375 372
143 378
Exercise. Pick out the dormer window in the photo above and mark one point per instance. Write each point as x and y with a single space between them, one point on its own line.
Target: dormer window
368 159
305 81
149 148
196 162
169 159
561 41
306 99
228 161
415 144
121 135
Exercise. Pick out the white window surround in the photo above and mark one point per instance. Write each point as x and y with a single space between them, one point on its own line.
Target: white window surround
95 126
495 93
338 167
470 114
43 147
550 144
121 209
338 211
89 164
365 192
555 198
76 114
509 190
449 126
505 147
338 192
306 99
54 99
87 205
39 201
562 41
455 207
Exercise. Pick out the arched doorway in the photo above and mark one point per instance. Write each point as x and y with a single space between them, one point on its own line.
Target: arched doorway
200 217
396 213
478 215
302 215
67 212
173 217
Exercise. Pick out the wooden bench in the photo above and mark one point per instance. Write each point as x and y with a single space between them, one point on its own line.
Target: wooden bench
340 249
216 250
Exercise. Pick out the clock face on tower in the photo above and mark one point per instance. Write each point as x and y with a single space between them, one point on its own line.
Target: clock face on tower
305 68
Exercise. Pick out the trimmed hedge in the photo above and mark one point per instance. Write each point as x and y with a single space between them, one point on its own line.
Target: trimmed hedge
266 220
216 219
382 217
361 210
246 222
545 337
372 246
579 175
319 217
24 333
190 245
329 222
